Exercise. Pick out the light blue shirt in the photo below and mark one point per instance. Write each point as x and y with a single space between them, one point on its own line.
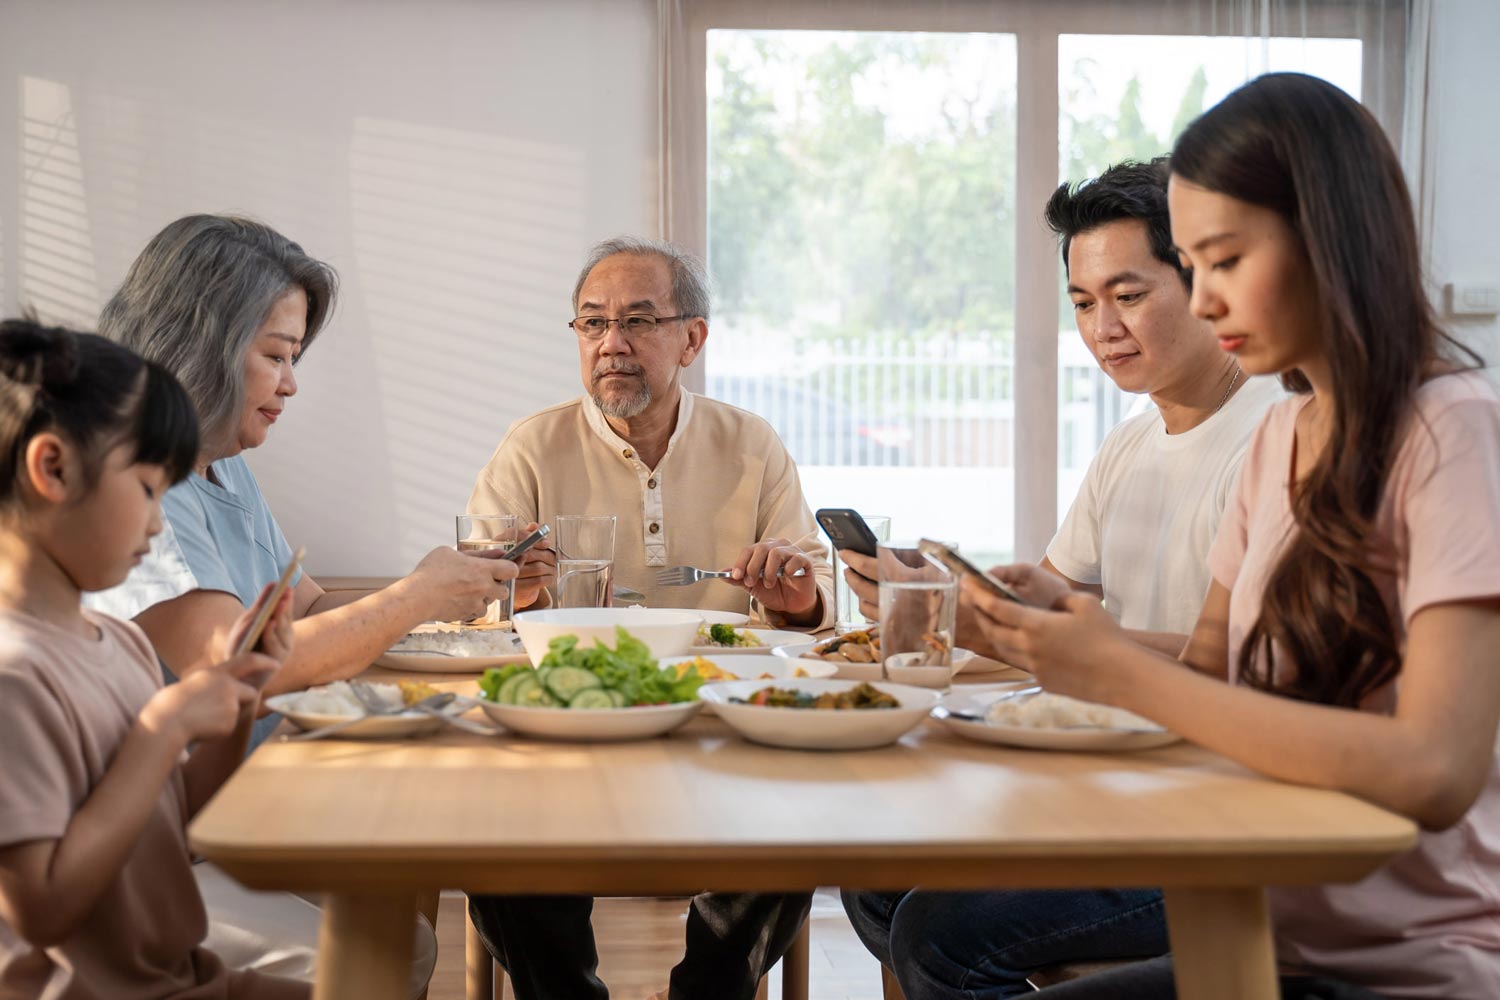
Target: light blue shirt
215 536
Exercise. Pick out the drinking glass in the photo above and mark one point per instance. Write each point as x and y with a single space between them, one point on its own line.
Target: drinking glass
918 612
846 616
487 533
585 560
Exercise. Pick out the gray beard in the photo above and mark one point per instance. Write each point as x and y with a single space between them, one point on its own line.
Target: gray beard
626 407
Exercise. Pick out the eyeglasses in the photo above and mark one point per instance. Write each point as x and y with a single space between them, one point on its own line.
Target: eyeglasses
635 325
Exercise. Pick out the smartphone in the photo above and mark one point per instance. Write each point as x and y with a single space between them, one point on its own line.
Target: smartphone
251 638
959 566
517 550
847 530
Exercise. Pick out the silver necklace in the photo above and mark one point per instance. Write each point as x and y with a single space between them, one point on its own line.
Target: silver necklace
1232 380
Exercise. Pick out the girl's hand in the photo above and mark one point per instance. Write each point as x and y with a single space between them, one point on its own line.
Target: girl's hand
1069 649
207 704
275 639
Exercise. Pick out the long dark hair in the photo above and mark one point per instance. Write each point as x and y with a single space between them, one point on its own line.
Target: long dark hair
1305 149
92 392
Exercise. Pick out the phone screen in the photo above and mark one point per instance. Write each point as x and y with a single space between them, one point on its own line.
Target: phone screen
958 565
252 637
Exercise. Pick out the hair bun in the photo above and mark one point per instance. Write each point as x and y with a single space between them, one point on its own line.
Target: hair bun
38 357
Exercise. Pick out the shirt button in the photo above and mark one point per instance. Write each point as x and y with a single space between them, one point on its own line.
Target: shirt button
628 453
651 484
654 527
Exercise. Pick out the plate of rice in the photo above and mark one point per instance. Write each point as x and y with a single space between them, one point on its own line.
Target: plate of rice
448 648
1031 717
330 703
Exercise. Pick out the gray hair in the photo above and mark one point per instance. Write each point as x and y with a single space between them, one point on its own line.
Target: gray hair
690 280
196 296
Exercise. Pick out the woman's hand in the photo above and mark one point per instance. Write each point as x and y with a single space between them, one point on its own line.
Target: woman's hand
461 585
1068 648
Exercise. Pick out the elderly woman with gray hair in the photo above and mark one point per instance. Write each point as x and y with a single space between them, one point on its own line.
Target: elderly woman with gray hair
228 306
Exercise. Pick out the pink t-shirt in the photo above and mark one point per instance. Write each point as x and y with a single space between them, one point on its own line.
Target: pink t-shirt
66 705
1428 923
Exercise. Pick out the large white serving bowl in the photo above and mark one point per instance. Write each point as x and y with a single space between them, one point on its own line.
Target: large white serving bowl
592 725
816 728
665 633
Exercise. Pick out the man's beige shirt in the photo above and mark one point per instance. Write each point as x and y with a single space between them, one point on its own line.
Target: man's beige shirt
725 482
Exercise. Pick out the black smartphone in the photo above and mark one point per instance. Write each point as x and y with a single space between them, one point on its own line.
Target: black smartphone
959 566
847 530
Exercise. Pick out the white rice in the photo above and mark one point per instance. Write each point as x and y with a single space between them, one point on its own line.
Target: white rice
1055 711
337 699
461 642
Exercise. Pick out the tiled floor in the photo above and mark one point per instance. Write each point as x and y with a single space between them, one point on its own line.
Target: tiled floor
641 939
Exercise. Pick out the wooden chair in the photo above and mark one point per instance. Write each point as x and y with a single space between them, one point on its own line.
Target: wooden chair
484 979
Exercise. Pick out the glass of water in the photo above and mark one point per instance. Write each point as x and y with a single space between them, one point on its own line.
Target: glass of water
585 546
845 605
490 533
918 612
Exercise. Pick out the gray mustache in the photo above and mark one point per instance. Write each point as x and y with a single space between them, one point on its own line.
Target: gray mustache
618 370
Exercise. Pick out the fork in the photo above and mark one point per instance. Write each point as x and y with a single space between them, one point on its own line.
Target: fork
684 576
432 705
372 710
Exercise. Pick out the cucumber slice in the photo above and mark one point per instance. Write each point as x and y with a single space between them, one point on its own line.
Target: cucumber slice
507 693
592 698
617 698
566 682
529 693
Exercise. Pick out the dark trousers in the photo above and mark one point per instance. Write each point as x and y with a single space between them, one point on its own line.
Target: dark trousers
1152 980
546 943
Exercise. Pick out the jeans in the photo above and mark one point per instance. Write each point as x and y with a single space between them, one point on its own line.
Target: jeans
546 943
1152 980
983 945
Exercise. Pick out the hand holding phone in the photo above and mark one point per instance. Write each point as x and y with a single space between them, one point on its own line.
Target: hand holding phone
252 635
519 549
959 566
848 530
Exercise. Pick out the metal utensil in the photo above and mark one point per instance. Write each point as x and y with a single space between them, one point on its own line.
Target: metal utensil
684 576
432 705
629 596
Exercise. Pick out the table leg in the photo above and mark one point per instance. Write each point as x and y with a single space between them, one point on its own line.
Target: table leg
365 947
1221 944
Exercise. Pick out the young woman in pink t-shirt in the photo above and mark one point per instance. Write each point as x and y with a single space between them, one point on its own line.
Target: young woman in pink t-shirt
97 896
1355 606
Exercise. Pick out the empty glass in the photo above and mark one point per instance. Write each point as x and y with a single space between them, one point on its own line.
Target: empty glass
845 605
487 533
918 611
585 546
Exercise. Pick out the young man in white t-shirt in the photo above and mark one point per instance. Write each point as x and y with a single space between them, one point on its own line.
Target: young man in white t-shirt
1137 535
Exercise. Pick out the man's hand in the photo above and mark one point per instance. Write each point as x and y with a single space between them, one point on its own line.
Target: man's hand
538 570
863 575
757 571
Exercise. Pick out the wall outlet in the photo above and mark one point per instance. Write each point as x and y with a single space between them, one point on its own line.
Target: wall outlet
1468 298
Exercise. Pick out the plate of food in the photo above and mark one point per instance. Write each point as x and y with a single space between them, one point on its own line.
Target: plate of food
451 648
328 704
720 639
856 655
819 714
735 618
1031 717
748 666
591 693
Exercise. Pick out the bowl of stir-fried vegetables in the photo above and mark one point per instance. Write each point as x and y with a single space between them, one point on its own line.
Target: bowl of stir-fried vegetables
819 714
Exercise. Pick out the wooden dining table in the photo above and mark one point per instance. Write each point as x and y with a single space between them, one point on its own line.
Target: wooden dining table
373 825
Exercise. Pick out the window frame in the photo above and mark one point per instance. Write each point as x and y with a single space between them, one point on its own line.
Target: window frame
1036 24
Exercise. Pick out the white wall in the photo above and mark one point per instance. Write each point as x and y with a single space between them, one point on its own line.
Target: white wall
1465 79
452 159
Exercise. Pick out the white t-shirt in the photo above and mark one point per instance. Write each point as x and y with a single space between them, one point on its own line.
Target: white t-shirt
1146 515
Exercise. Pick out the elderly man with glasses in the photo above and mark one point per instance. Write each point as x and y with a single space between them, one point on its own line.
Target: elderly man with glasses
693 482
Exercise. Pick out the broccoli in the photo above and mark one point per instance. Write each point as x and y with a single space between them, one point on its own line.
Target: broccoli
722 635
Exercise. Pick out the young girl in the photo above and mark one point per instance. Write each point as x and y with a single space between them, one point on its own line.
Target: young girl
97 896
1355 608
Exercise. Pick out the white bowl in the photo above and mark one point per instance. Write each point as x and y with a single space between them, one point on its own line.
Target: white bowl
735 618
592 725
665 633
816 728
